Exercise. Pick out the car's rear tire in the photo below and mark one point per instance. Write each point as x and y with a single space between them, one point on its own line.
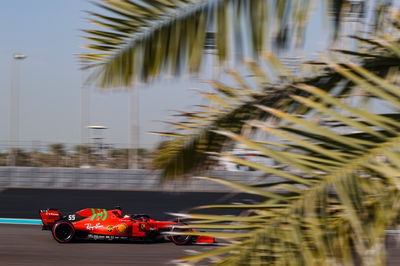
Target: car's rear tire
180 239
63 231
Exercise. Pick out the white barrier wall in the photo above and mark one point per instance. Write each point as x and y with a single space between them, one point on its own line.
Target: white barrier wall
125 179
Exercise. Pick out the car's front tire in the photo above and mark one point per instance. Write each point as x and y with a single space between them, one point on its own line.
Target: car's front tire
180 239
63 231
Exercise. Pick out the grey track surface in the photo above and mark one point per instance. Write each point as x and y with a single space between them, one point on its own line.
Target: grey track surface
393 248
26 203
28 245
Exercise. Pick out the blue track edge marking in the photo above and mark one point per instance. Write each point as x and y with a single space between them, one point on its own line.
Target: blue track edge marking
20 221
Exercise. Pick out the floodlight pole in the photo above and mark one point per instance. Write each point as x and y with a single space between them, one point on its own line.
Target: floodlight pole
85 118
14 108
133 156
98 138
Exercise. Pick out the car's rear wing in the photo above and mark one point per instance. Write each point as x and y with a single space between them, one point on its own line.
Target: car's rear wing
49 218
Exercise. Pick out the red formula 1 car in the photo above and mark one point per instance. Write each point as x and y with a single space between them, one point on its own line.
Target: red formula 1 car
102 224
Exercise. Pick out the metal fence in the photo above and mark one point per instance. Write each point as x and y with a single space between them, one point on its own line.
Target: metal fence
115 179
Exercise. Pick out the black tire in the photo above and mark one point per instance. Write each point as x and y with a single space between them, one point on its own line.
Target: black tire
63 231
180 239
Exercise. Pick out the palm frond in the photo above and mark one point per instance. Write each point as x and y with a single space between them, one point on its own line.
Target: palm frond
233 106
340 209
136 40
144 38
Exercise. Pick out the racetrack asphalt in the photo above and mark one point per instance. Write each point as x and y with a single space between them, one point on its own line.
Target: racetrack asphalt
26 203
29 245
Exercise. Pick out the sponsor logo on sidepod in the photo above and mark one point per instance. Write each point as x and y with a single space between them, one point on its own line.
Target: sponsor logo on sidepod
91 227
122 228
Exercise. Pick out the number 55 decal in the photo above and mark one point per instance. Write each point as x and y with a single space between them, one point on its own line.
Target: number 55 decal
71 217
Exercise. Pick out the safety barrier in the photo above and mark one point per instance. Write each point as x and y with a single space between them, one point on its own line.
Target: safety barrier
121 179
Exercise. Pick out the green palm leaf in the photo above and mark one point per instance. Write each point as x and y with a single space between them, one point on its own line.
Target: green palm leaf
233 106
346 208
137 40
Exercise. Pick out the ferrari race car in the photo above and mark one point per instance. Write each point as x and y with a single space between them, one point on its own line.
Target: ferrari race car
102 224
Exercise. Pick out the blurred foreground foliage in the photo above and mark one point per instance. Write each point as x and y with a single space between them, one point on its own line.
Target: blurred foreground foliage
334 140
332 132
136 41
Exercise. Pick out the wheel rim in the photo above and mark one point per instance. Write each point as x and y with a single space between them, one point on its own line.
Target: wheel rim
63 232
180 239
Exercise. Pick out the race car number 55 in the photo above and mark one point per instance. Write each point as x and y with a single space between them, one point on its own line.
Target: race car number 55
71 217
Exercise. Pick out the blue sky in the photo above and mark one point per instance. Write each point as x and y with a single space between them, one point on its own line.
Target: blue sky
47 31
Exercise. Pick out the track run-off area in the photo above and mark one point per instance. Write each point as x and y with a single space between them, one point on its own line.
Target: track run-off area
22 242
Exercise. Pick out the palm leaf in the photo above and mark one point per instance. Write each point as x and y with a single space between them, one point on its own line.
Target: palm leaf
169 36
346 208
233 106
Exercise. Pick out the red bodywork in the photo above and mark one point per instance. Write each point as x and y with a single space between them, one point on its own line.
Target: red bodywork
102 224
